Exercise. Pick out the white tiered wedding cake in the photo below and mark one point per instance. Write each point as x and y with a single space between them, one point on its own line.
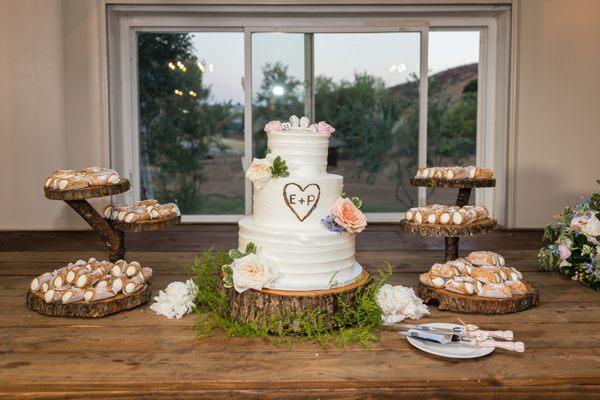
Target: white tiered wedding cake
302 225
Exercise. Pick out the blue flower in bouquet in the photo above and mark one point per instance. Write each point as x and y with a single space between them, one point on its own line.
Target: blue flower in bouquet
330 224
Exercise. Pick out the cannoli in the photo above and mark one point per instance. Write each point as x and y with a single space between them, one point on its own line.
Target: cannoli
486 258
118 268
410 214
516 287
89 278
36 283
444 270
168 210
495 290
133 268
96 294
480 173
136 282
75 272
480 211
460 286
107 212
462 266
457 173
486 275
72 295
419 173
464 217
77 181
145 203
428 279
435 216
103 176
52 295
422 214
59 279
113 284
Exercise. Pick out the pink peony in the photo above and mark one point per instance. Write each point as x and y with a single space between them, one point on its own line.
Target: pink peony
324 128
564 252
348 216
273 126
313 127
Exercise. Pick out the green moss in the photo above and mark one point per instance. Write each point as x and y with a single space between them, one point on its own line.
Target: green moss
355 323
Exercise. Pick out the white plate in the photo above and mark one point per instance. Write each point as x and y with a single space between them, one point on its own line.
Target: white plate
453 350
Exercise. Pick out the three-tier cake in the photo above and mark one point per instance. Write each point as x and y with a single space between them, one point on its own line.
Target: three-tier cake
302 222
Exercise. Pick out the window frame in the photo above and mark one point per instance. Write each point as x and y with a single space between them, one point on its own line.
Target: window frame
492 21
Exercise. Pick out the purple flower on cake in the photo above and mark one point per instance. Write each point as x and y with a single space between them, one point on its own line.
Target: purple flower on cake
322 128
348 216
273 126
330 224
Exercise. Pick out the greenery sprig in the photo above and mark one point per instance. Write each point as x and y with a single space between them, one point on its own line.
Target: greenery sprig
279 168
358 203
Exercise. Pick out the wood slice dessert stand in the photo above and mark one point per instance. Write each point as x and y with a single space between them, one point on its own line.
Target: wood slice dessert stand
81 309
457 302
452 233
254 306
111 232
451 301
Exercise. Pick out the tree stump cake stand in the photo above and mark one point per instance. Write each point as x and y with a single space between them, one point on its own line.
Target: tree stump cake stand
452 233
111 232
256 306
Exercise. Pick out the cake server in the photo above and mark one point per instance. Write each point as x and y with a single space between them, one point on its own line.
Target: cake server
459 339
466 329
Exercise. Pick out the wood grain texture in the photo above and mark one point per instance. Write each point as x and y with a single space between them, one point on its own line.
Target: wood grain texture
453 183
439 230
144 226
138 354
88 192
450 301
81 309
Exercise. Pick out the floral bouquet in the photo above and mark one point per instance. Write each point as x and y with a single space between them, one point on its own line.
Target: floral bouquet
574 243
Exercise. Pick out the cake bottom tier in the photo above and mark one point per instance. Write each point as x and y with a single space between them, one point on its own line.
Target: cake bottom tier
307 260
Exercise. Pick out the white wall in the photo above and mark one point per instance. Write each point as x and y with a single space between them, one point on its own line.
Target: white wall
558 119
51 106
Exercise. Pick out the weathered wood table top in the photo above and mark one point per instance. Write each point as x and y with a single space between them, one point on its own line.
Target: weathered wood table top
139 354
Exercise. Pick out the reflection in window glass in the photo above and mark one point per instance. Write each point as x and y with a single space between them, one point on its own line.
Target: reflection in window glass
452 111
191 120
277 81
367 87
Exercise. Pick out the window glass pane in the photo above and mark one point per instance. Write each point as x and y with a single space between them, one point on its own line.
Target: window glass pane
191 120
452 111
367 87
277 81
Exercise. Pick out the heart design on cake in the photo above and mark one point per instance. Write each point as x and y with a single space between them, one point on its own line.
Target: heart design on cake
301 200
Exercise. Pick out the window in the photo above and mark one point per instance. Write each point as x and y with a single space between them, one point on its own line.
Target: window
206 81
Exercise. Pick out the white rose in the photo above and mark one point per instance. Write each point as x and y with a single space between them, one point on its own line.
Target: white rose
176 300
253 272
399 302
588 224
259 172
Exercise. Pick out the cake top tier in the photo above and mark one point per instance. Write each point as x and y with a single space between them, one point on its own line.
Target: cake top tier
302 146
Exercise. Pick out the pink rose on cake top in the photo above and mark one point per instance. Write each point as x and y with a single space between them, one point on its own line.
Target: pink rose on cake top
299 125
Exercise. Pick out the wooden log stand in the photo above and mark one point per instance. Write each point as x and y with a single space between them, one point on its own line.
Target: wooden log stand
452 233
457 302
256 306
81 309
111 232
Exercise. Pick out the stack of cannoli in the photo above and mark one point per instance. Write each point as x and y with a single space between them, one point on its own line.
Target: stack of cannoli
141 211
470 172
91 280
481 273
65 179
446 215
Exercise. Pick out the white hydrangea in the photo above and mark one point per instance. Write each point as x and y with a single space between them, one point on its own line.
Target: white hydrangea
399 302
176 300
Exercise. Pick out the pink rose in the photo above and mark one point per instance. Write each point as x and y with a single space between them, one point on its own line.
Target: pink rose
313 128
273 126
348 216
324 128
564 252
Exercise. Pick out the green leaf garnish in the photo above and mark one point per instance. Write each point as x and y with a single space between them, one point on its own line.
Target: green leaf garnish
235 254
357 202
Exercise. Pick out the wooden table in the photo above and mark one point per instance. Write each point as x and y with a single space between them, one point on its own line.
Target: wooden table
137 353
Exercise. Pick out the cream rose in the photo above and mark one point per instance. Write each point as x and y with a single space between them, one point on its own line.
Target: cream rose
259 172
176 300
399 302
348 216
587 224
253 272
